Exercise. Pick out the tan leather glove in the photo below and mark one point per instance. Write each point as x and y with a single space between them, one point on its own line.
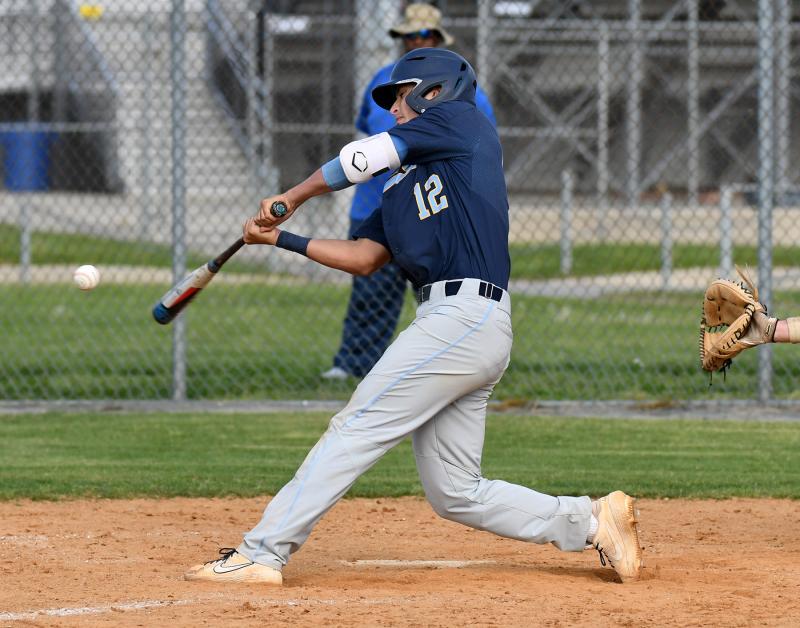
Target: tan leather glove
733 320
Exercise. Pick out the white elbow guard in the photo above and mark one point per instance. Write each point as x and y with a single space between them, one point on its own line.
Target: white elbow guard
370 157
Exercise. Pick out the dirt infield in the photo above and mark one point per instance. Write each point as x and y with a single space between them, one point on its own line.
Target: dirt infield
392 563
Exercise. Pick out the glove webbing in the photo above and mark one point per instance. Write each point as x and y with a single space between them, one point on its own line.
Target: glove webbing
748 311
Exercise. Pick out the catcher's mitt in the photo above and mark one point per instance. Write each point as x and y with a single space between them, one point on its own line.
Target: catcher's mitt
733 320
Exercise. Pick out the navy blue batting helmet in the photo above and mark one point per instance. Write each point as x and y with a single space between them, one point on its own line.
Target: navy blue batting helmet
429 68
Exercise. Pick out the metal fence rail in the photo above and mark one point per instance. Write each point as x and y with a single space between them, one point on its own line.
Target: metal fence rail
649 146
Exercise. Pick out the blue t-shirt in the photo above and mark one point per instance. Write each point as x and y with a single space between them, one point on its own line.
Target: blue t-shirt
372 120
444 212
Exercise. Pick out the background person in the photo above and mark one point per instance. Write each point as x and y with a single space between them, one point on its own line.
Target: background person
376 301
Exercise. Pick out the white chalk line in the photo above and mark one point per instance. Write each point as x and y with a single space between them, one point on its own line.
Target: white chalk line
150 604
92 610
428 564
143 605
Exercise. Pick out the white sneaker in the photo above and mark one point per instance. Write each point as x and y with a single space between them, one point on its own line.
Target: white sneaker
335 373
233 567
617 537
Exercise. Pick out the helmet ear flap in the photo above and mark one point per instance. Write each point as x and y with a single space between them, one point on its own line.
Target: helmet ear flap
416 97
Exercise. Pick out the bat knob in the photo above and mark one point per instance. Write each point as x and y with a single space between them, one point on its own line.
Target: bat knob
162 314
278 209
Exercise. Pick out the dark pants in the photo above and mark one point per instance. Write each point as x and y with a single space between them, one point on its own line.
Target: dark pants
372 314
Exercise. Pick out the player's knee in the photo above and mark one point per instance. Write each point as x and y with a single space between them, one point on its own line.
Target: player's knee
451 508
452 500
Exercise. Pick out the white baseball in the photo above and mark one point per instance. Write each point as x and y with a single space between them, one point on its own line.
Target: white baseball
86 277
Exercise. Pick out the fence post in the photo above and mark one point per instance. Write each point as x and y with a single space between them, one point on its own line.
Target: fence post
483 46
255 147
603 108
149 212
36 54
267 64
566 222
766 177
693 102
666 238
783 26
726 231
633 106
177 34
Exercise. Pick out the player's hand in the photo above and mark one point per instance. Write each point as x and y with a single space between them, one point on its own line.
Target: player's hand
253 234
271 206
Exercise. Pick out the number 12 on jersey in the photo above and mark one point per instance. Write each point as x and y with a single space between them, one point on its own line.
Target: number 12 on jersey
436 200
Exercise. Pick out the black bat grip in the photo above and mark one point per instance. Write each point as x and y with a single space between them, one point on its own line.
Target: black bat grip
278 209
215 264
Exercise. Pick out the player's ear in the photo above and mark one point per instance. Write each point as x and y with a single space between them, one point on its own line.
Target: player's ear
433 92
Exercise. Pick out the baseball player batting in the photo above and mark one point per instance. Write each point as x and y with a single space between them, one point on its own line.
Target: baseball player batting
444 220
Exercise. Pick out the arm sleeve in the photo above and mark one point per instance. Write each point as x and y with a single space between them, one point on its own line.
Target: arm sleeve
400 146
334 176
372 229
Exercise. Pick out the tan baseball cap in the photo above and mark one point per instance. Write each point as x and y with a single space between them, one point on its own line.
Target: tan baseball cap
420 16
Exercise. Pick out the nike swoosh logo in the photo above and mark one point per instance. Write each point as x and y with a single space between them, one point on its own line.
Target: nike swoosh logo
220 569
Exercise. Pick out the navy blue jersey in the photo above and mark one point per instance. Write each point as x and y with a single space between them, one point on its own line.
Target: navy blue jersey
444 212
372 120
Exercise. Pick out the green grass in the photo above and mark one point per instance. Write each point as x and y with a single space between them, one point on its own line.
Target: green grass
272 342
57 456
528 261
543 261
258 341
59 248
633 346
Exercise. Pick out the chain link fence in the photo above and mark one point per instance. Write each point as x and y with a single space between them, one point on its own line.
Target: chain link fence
649 146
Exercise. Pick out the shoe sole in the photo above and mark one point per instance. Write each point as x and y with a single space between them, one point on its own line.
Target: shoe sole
628 516
275 579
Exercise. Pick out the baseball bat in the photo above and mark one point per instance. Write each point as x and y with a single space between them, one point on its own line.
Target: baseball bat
182 293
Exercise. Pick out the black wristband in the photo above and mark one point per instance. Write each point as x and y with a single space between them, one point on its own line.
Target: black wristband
292 242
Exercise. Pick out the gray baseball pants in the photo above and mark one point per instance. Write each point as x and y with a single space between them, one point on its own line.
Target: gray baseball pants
432 383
